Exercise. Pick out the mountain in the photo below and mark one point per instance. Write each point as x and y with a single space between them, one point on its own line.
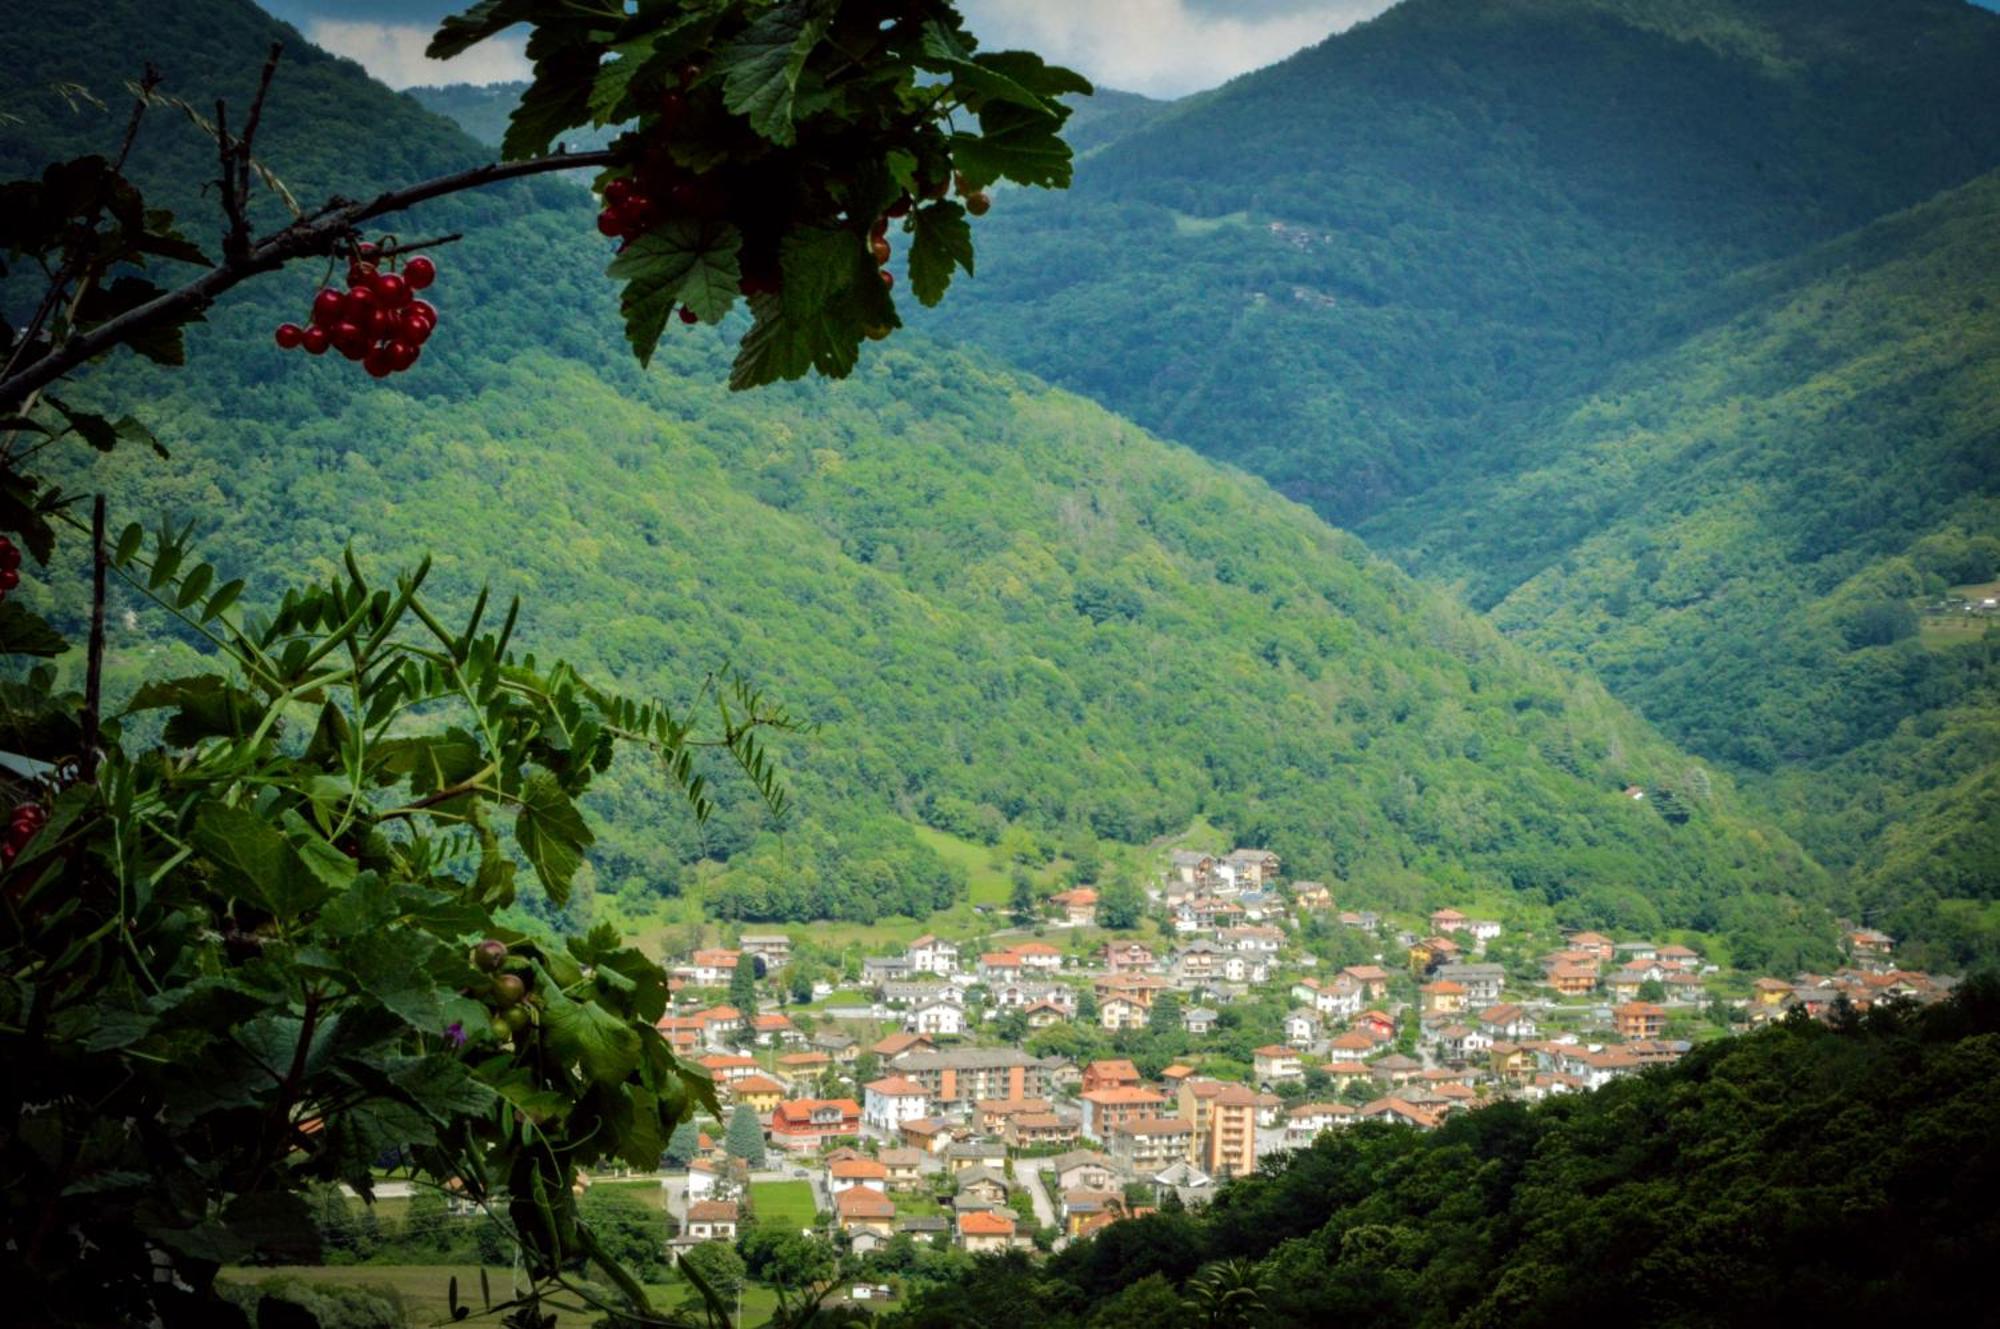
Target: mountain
1738 535
1662 331
1001 604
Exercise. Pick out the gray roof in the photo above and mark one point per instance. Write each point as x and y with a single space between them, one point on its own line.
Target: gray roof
972 1176
965 1059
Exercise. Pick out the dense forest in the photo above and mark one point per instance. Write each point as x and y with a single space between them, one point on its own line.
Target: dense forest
1806 1174
1663 331
998 603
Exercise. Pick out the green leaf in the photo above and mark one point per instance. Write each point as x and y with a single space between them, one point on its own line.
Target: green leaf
613 89
26 633
442 1087
943 239
461 32
254 856
984 80
760 69
129 541
1030 71
208 707
194 585
831 297
91 427
392 966
222 599
684 262
551 833
1014 143
603 1044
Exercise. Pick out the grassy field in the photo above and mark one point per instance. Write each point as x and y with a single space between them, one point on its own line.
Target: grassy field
785 1203
425 1289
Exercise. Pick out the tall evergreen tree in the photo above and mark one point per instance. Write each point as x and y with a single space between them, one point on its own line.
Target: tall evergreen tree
745 1139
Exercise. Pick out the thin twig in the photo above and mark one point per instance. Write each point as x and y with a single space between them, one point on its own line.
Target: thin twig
256 115
391 251
93 686
236 231
316 234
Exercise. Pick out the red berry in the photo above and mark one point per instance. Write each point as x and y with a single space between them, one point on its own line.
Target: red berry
672 106
423 307
689 316
888 280
617 192
879 246
610 223
392 290
901 207
329 306
361 302
419 272
351 339
316 341
10 557
367 249
289 336
378 362
402 355
978 203
360 274
9 578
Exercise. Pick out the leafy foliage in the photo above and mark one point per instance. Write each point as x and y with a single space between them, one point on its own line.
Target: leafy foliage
1745 1185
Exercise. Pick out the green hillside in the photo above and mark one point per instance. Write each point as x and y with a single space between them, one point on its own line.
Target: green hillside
1739 537
1001 604
1436 221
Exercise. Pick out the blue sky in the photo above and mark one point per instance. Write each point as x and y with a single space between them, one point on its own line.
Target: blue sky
1162 47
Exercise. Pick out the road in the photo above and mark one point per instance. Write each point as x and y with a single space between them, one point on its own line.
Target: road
1033 1174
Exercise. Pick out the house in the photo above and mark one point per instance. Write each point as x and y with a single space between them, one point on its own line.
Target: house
1145 1144
1084 1211
991 1115
862 1209
1082 1169
1431 952
1078 906
761 1092
1118 1013
1594 944
889 1102
933 955
1678 955
879 969
1444 921
1869 944
1573 980
904 1168
1304 1122
985 1231
703 1180
963 1076
896 1046
1311 895
981 1185
1508 1021
1352 1046
1377 1025
774 947
1461 1043
855 1170
1036 1130
1048 1012
1239 967
1373 978
1253 867
1192 867
1639 1019
1254 939
1197 962
1337 998
926 1135
1106 1108
1038 957
1442 997
1483 983
1689 988
1000 966
711 1220
990 1154
724 1068
1397 1110
710 968
905 993
1395 1069
774 1028
1511 1062
806 1065
1126 957
1199 1020
1302 1027
1483 930
807 1123
937 1018
1276 1062
1770 992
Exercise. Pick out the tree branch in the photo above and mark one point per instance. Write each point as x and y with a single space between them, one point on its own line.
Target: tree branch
312 235
93 687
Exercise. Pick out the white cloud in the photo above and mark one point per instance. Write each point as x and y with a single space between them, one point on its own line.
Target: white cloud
1163 47
394 53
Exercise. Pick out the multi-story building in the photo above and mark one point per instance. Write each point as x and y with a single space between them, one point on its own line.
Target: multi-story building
1106 1108
889 1102
807 1123
962 1076
1144 1145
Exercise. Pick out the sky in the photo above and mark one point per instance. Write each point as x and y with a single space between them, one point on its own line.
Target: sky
1165 48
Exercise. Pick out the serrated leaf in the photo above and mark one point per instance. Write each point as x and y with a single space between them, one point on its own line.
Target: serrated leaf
612 88
831 297
1014 143
684 262
986 82
943 239
461 32
26 633
760 69
1037 75
257 860
604 1045
551 833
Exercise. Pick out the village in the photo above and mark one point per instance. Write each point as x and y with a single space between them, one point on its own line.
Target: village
1025 1095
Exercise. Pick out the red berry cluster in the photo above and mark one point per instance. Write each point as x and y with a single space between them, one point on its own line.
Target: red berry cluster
28 818
377 320
10 566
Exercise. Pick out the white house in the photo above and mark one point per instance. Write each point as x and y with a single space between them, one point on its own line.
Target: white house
934 955
1483 930
889 1102
1038 957
937 1017
1301 1028
1304 1122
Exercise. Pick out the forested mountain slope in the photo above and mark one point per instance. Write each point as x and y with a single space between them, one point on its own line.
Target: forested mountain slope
1349 268
1737 535
991 596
